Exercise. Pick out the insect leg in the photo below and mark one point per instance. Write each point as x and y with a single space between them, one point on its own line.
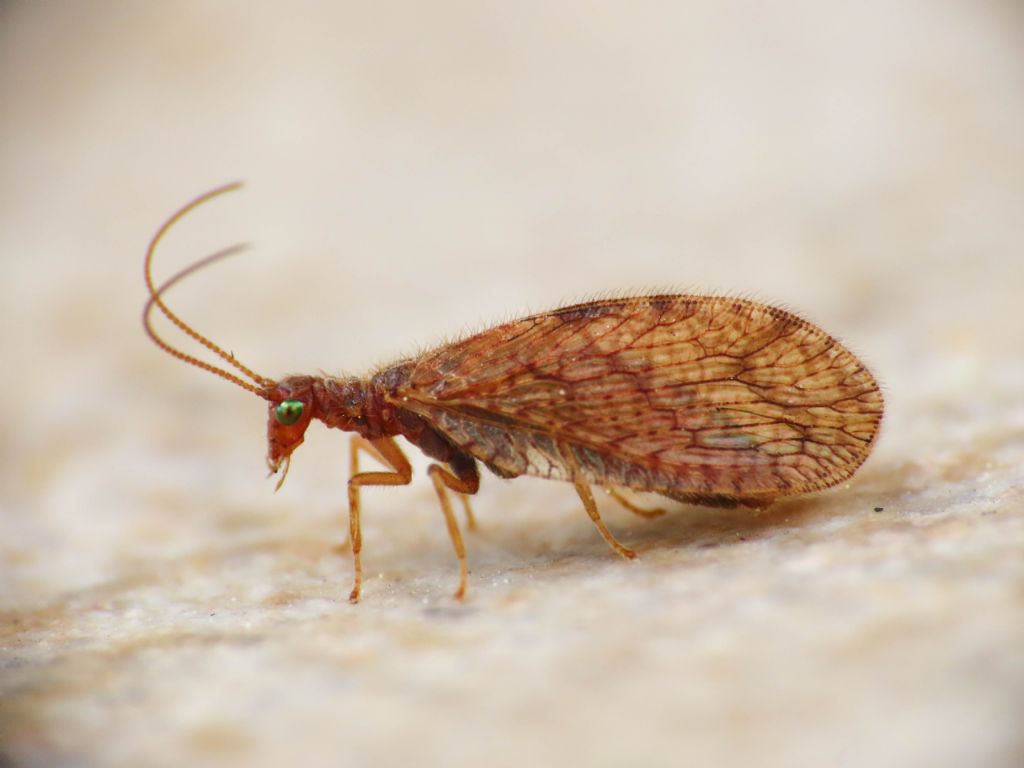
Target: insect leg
572 462
465 481
588 502
356 444
387 452
470 517
636 510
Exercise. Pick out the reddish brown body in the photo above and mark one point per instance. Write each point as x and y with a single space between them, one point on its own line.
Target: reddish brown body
710 400
637 392
370 408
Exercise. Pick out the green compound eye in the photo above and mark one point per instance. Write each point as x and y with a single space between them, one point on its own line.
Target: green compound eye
288 412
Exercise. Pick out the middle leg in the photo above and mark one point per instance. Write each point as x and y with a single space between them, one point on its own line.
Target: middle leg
464 479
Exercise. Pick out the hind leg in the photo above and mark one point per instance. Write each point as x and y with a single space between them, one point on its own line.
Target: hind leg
588 503
636 510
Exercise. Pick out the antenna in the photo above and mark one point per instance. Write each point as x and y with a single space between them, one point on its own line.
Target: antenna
262 384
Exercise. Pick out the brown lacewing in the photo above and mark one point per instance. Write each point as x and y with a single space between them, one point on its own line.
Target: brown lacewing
707 400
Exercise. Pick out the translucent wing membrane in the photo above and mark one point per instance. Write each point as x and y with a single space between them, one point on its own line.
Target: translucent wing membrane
683 395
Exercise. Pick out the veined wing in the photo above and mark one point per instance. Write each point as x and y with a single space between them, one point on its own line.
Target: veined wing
683 395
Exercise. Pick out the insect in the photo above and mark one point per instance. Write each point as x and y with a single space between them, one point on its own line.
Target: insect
708 400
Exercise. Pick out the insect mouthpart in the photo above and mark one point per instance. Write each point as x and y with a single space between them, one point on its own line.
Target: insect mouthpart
274 465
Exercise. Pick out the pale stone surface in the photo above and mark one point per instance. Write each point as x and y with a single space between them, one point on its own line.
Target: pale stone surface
420 169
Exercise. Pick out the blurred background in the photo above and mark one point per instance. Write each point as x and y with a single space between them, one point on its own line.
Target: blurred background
418 170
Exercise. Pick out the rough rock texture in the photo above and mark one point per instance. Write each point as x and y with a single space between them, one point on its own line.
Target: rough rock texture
418 170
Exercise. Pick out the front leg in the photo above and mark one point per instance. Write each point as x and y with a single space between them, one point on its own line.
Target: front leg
387 452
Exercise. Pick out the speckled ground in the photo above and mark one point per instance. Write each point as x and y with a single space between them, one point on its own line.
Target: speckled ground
417 171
